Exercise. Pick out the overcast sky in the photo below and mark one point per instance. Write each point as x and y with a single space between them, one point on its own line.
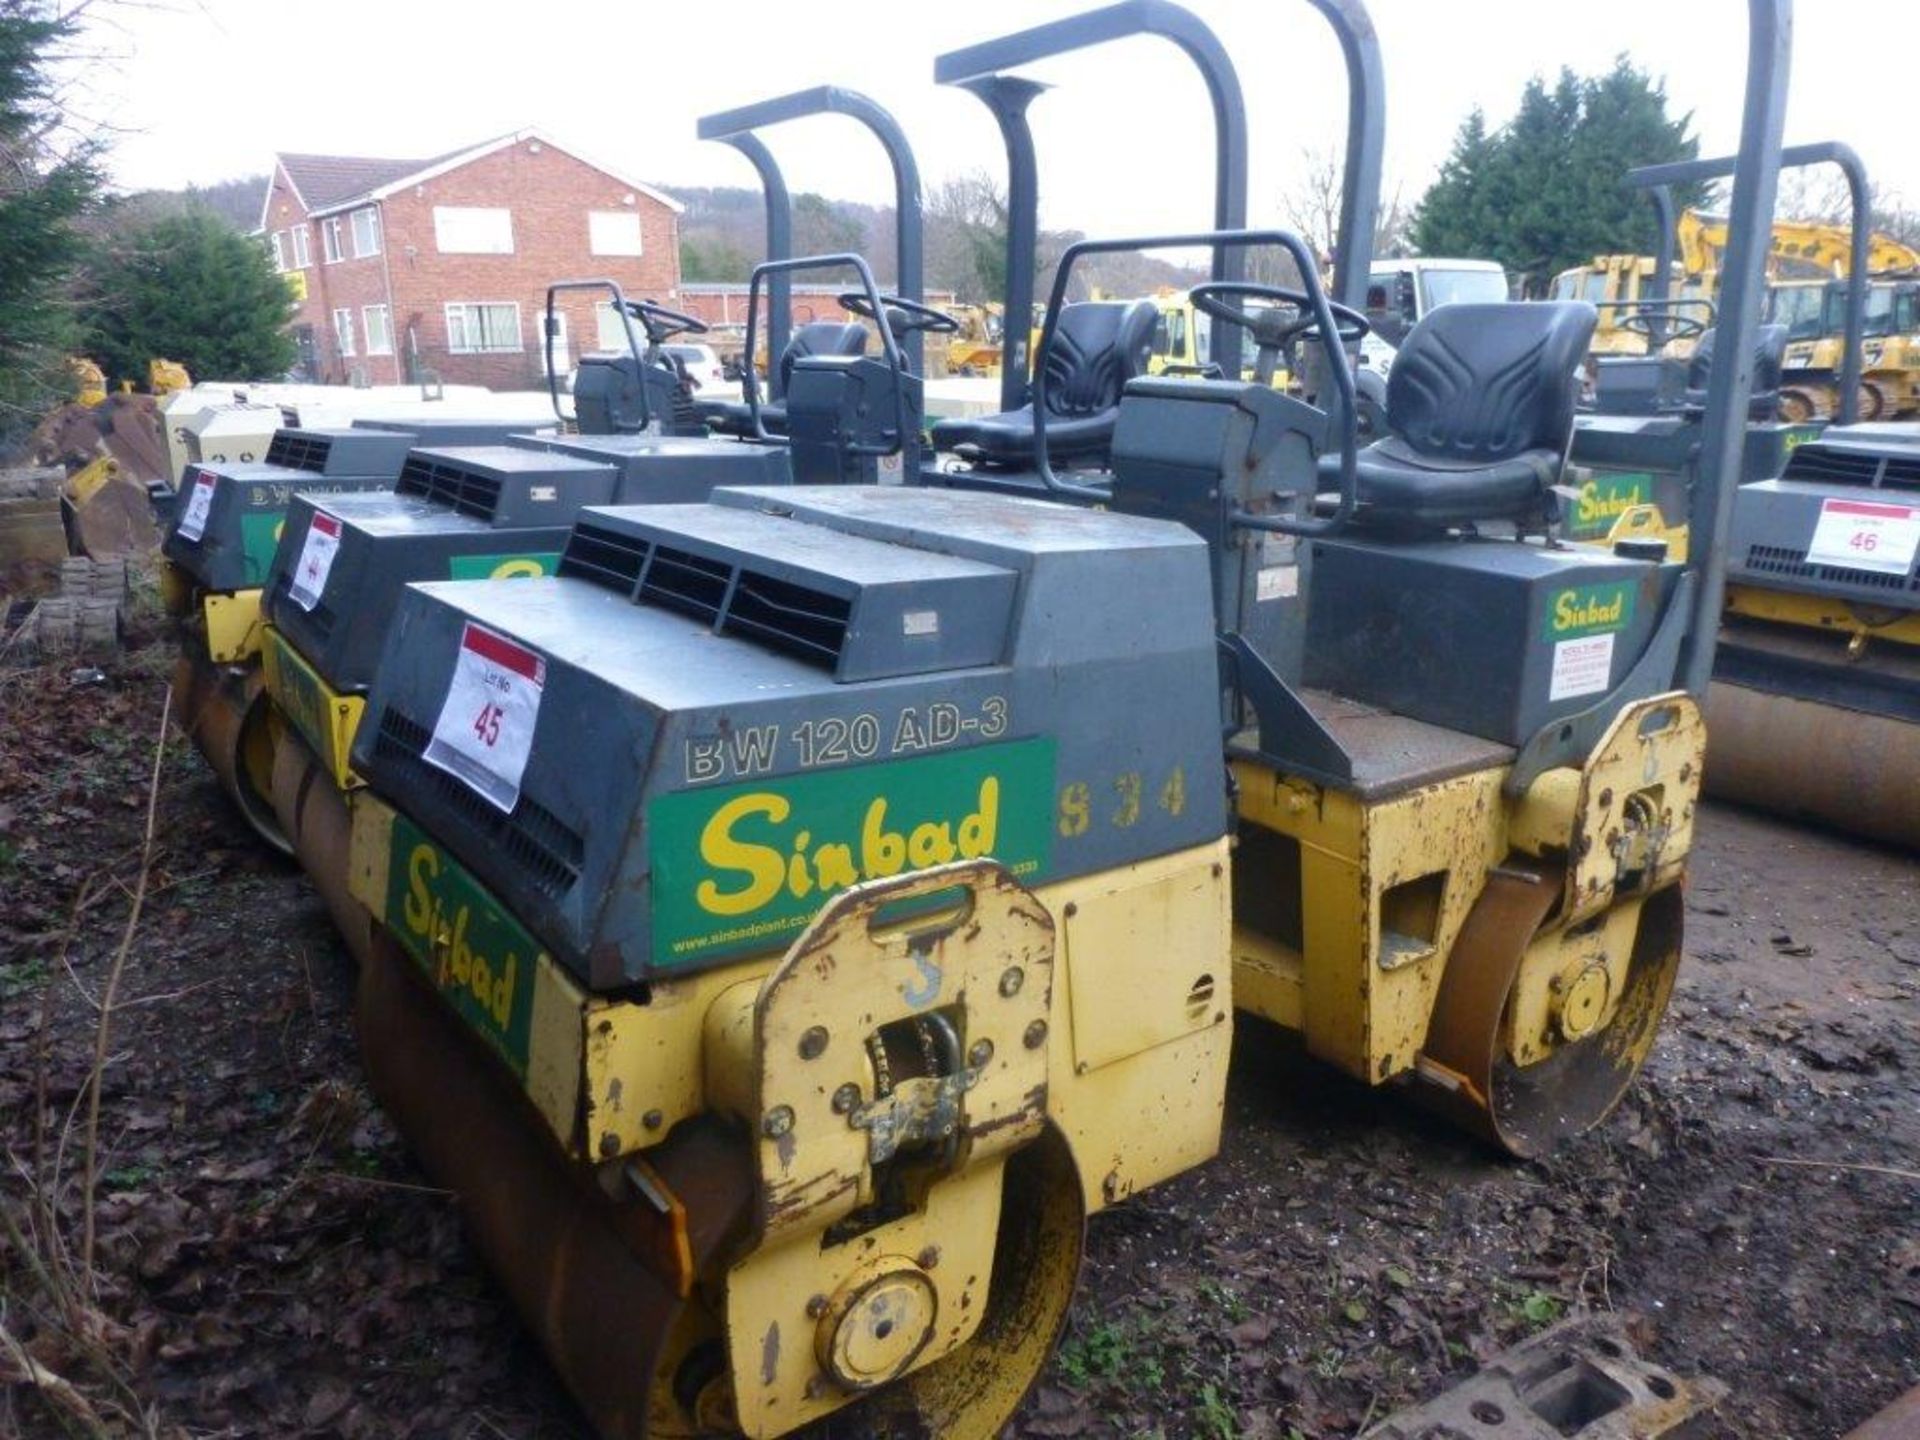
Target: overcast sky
205 90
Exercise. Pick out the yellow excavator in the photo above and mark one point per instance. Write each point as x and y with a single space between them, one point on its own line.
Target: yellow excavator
1803 252
974 349
1615 285
1814 314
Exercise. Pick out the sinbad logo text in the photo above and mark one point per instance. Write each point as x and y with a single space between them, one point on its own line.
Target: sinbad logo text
743 866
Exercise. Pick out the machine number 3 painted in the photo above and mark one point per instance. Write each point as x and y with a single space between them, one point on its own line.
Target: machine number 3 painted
193 524
485 730
1866 535
316 561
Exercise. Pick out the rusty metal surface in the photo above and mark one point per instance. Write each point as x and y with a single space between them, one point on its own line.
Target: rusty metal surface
128 428
1527 1110
226 712
1392 753
583 1270
971 1393
1639 790
1857 772
1580 1380
1899 1421
314 817
900 1049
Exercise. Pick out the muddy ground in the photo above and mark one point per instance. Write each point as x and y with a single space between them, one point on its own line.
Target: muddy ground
267 1260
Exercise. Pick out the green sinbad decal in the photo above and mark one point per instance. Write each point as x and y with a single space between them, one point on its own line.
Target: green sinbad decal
259 538
1604 498
501 567
743 867
483 962
301 695
1590 610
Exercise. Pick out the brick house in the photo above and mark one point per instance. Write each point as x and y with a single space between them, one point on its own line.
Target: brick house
414 269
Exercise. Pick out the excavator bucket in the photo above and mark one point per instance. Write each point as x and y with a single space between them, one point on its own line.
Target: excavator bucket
113 452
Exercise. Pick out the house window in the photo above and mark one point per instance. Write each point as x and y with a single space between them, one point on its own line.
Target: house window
330 236
465 230
280 250
610 332
613 232
379 330
302 246
366 232
481 328
343 332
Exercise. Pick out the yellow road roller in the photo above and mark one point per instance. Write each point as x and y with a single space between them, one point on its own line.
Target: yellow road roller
1463 768
215 558
1815 704
789 920
737 883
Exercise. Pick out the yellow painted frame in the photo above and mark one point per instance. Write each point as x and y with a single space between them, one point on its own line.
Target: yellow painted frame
1362 997
613 1076
234 624
325 719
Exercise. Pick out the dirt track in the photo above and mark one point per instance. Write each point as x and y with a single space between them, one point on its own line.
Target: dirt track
269 1262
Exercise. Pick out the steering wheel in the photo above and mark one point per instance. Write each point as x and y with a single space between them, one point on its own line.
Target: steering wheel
662 324
1665 325
1212 297
914 315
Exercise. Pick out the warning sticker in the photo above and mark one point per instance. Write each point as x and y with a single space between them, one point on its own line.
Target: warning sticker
1581 667
316 561
1277 582
1865 535
193 520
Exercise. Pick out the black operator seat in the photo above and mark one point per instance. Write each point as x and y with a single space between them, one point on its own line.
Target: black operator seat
1098 346
1479 414
1769 359
818 337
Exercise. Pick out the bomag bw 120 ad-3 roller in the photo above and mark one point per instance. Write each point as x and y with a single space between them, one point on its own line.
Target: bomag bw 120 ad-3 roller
504 512
787 922
226 527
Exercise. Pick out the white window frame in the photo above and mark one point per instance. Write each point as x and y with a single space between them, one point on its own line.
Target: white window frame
279 247
302 246
461 230
343 331
463 347
600 244
367 312
607 329
372 214
331 236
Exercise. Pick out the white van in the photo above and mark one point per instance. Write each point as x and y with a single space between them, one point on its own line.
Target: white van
1401 292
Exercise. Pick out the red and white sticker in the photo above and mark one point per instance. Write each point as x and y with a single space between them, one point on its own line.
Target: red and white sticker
309 581
1866 535
1581 667
193 520
485 730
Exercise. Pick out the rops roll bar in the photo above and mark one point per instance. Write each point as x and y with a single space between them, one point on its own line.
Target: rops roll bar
552 328
732 126
1342 374
1756 173
889 346
1659 179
